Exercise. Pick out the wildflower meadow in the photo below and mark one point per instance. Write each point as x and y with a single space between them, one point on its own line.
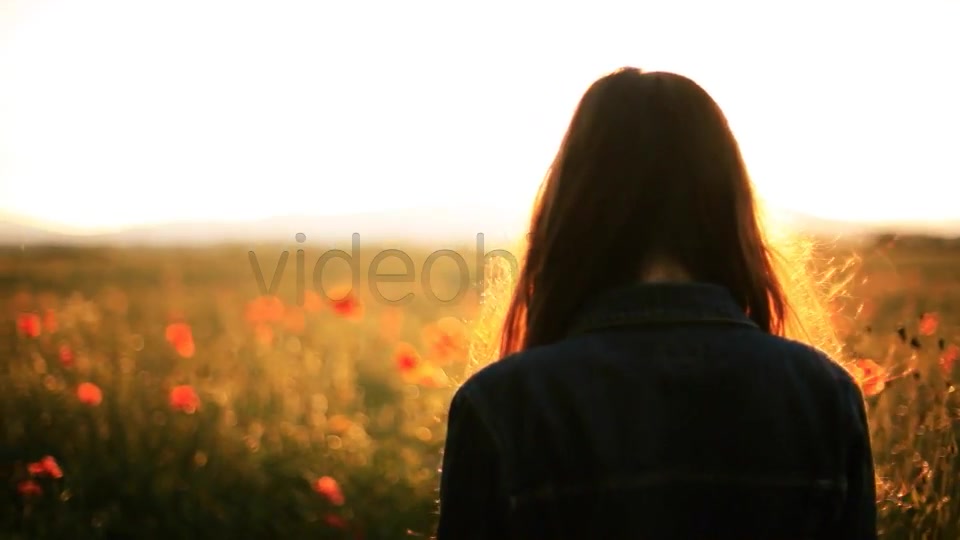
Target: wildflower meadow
162 393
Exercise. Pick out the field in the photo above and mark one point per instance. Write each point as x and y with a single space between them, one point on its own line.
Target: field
165 393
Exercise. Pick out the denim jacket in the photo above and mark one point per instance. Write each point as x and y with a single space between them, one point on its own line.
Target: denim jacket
666 413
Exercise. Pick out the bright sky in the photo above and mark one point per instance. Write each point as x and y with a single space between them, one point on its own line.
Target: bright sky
125 112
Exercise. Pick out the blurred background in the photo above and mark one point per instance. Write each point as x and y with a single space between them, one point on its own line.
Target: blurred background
171 366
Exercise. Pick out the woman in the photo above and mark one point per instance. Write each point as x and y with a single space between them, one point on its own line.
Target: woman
646 388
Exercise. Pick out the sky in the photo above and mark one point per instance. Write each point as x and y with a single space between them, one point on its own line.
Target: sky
129 112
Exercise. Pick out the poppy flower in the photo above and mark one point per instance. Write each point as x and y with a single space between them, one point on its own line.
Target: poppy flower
29 324
329 488
929 323
47 466
29 488
406 357
948 358
51 466
431 377
335 521
89 394
180 336
66 355
338 423
184 398
346 304
446 339
871 377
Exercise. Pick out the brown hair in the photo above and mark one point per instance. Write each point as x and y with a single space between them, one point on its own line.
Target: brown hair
648 171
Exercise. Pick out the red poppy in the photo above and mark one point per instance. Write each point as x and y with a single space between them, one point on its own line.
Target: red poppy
180 336
929 323
29 488
47 466
406 357
89 394
334 520
871 377
432 377
29 324
446 339
948 358
184 398
66 355
329 488
346 304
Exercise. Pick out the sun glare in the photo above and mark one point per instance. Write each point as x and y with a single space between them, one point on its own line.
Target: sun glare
137 113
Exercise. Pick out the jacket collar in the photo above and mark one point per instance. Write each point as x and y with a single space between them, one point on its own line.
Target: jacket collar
645 304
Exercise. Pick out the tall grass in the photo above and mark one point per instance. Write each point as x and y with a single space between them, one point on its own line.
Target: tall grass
328 422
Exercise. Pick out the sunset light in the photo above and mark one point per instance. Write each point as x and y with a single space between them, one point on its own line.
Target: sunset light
120 113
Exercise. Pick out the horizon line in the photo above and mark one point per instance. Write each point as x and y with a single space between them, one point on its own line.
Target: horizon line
61 228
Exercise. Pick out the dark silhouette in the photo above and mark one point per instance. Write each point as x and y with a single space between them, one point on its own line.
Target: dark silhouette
647 389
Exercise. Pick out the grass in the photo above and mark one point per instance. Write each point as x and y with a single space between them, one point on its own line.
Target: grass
177 400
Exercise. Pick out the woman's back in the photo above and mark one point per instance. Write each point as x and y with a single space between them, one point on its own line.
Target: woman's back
646 389
666 414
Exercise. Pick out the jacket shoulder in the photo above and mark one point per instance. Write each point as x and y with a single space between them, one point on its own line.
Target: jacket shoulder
506 372
498 386
814 357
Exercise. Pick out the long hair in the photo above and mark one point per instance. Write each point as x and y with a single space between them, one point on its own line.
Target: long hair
647 171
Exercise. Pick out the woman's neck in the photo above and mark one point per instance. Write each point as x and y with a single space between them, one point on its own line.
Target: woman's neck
665 272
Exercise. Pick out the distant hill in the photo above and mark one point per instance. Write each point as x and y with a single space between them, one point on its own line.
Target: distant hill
16 233
831 227
451 226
